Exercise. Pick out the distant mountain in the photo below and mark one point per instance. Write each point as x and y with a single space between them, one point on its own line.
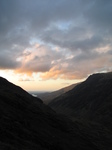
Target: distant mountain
91 100
48 96
28 124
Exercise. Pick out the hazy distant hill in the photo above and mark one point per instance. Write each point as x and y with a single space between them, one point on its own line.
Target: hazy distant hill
90 100
27 124
48 96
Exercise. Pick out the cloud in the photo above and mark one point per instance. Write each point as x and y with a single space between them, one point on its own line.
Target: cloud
39 58
9 63
25 80
99 14
58 39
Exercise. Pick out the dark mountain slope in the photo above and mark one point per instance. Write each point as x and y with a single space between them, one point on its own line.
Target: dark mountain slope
90 100
49 96
27 124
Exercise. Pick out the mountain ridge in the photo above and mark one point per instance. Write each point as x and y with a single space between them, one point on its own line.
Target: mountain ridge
90 100
48 96
27 123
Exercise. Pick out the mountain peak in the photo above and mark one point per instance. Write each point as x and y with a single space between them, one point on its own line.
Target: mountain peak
99 76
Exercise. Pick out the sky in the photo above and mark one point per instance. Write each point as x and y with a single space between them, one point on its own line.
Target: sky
46 44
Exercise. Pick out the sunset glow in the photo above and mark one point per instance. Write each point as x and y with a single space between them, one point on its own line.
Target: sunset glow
51 44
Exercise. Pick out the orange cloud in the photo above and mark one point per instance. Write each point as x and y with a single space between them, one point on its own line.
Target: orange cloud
43 61
79 71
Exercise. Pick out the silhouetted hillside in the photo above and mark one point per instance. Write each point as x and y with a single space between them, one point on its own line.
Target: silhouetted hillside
27 124
49 96
90 100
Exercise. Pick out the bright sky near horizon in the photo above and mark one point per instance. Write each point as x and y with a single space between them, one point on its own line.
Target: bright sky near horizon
47 45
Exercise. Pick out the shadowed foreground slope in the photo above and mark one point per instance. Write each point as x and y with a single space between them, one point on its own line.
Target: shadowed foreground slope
27 124
90 100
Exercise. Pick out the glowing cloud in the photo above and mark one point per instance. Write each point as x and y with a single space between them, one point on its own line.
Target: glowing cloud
57 40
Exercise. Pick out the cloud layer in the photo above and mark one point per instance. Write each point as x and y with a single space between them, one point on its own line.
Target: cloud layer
57 39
